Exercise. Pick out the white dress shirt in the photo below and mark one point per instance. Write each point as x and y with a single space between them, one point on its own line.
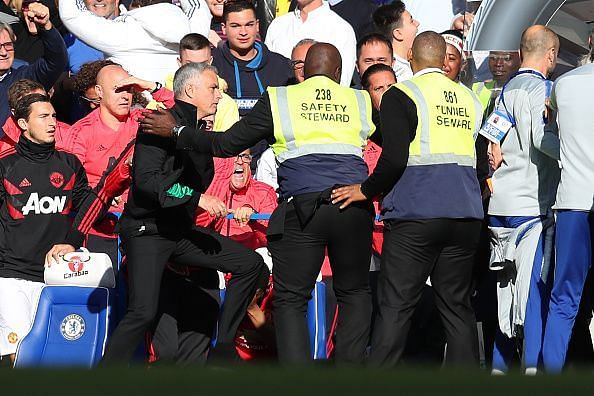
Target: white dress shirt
323 25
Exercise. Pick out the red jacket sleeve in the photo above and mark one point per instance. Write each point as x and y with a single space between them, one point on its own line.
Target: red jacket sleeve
95 203
164 96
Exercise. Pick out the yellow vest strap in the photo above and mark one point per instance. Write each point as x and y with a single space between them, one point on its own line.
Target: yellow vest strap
424 112
285 118
440 159
426 157
327 148
478 122
365 128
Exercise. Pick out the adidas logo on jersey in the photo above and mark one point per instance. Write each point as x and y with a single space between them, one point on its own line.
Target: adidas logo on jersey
44 205
25 183
101 148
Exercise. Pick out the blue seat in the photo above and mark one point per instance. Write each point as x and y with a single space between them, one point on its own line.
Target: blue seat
69 329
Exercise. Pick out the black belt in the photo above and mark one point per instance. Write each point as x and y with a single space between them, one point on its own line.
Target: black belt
305 206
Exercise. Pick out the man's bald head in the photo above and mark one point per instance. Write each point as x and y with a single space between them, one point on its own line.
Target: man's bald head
537 40
539 49
428 50
323 59
113 102
110 74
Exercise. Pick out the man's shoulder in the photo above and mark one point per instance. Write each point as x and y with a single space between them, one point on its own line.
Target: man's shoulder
583 73
261 188
68 158
282 21
87 123
526 82
8 153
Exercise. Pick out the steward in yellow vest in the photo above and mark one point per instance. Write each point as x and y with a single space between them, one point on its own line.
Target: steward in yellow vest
317 130
432 205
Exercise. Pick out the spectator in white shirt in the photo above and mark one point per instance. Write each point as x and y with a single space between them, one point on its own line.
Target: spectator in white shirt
399 26
315 20
436 15
144 40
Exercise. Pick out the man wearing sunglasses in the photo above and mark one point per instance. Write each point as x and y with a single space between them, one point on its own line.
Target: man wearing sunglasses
45 70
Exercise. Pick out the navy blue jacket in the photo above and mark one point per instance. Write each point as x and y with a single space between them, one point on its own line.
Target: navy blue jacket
247 81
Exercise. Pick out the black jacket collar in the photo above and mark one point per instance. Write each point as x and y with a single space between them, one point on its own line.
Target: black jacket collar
185 113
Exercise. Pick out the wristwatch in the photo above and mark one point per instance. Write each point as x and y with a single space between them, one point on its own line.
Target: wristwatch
176 130
158 86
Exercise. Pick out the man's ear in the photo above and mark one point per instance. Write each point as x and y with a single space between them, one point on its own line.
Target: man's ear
22 123
338 73
224 28
179 62
189 90
99 91
397 34
409 56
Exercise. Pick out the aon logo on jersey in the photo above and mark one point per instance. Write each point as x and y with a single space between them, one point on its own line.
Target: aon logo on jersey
44 205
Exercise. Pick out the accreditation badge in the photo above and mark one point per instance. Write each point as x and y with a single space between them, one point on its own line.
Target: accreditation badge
496 127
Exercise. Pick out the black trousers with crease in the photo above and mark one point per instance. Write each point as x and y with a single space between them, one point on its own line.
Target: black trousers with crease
414 250
297 257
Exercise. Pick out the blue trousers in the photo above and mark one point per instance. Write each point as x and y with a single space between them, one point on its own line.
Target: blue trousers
536 307
573 245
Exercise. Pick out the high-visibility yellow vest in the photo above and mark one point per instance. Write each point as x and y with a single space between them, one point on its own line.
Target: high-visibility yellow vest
440 178
319 116
483 91
449 118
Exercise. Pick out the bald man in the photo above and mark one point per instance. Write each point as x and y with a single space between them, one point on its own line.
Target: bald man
101 136
524 188
317 130
431 208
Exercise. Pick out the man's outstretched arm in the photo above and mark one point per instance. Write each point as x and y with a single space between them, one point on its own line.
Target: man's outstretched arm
254 127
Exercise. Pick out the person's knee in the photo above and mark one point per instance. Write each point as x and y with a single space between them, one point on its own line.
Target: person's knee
143 316
256 262
165 352
289 299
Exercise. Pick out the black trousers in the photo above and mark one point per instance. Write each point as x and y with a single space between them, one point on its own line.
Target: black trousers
442 249
148 253
298 255
187 318
109 246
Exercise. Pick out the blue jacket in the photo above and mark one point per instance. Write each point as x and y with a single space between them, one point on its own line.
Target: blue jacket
247 81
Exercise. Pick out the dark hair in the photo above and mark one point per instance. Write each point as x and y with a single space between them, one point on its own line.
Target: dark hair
22 88
23 106
237 6
193 42
374 69
87 75
373 38
389 17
